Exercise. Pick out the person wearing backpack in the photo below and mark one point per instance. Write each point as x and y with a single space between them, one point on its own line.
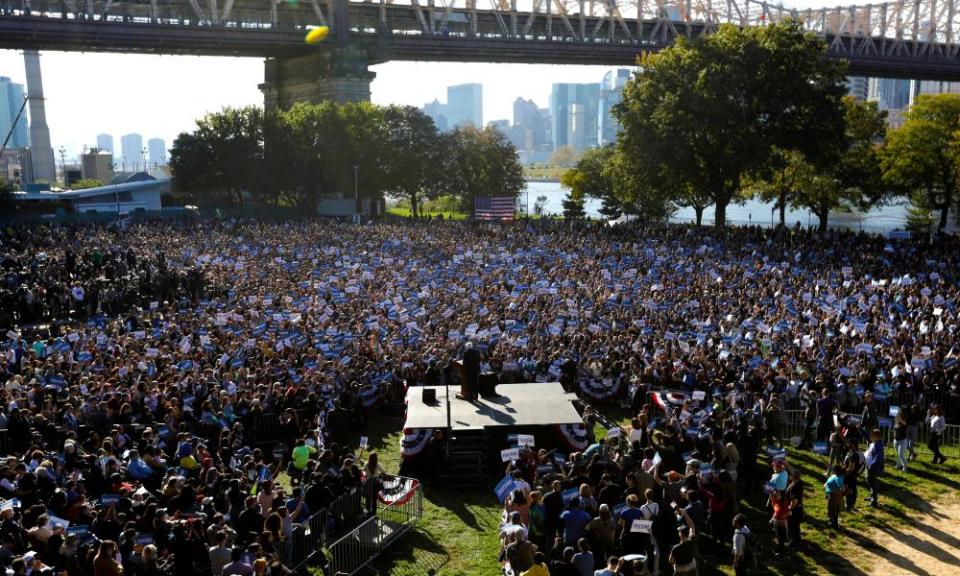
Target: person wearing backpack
853 465
875 460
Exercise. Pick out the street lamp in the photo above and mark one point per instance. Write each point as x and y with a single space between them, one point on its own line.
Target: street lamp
63 163
356 192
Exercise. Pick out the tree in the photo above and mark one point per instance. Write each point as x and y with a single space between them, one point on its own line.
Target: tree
481 163
921 158
781 182
222 159
564 157
411 137
706 112
851 180
573 207
304 153
85 183
539 205
639 190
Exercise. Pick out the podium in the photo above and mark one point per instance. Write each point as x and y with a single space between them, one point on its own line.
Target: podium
488 384
461 374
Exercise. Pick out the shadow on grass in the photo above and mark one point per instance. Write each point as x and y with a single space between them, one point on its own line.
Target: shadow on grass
895 559
924 546
420 555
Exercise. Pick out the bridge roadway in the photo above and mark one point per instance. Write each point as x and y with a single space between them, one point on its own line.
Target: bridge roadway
404 32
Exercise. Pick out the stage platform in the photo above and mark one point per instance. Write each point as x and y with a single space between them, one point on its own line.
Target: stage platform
532 404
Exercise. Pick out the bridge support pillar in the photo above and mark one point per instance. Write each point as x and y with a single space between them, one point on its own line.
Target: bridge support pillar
338 74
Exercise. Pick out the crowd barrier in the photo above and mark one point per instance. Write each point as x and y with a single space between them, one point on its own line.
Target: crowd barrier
363 544
794 426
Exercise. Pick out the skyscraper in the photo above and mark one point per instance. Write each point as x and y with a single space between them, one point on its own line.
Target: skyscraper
157 150
465 105
529 129
105 143
857 86
437 112
574 109
611 93
889 93
11 100
131 147
41 151
918 87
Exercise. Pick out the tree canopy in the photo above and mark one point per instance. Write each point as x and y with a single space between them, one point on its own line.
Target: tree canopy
705 113
921 159
297 156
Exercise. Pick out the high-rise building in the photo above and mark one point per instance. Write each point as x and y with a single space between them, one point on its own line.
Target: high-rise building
857 86
157 149
465 105
889 93
918 87
131 146
437 111
11 100
41 151
574 109
529 127
105 143
611 93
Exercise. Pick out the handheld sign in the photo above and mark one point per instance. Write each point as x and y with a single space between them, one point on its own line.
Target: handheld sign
699 395
569 494
894 411
525 439
641 526
504 487
363 442
821 448
509 454
613 433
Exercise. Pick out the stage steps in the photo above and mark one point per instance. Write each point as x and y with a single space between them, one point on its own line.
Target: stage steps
467 461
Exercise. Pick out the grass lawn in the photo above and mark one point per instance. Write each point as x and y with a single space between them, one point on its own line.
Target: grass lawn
404 212
458 534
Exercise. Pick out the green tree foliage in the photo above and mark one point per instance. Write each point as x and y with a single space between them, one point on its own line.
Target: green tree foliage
706 112
85 183
573 206
922 158
564 157
481 163
304 154
851 180
222 159
297 156
412 149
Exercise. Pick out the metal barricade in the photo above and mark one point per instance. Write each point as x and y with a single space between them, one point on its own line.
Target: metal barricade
312 535
363 544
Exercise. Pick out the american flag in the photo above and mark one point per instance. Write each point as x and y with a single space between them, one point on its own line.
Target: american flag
494 207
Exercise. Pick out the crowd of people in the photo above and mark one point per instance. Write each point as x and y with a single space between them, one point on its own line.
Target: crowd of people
138 363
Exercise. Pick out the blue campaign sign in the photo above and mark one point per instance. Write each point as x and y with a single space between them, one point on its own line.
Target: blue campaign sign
821 448
504 487
884 422
569 494
776 453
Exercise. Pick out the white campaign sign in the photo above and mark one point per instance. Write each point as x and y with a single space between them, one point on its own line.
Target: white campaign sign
641 526
525 439
509 454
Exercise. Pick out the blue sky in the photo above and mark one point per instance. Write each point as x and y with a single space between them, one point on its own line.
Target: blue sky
161 96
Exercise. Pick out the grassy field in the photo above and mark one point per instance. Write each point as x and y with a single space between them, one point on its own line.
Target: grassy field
458 534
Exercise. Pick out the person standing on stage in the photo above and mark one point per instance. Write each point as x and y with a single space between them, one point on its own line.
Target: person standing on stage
471 366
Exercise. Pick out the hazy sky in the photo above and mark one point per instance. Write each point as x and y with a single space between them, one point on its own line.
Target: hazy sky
161 96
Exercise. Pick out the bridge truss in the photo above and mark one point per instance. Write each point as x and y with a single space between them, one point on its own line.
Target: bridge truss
882 39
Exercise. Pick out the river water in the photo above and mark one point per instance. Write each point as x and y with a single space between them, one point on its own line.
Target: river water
879 219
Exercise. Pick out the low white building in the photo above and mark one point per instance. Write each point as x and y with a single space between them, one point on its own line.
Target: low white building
123 198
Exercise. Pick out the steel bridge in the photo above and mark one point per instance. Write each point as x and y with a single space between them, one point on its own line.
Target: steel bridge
905 38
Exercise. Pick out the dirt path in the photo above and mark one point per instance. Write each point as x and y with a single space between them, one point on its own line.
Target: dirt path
930 546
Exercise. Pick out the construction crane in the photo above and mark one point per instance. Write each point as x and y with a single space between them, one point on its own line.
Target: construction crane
13 126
